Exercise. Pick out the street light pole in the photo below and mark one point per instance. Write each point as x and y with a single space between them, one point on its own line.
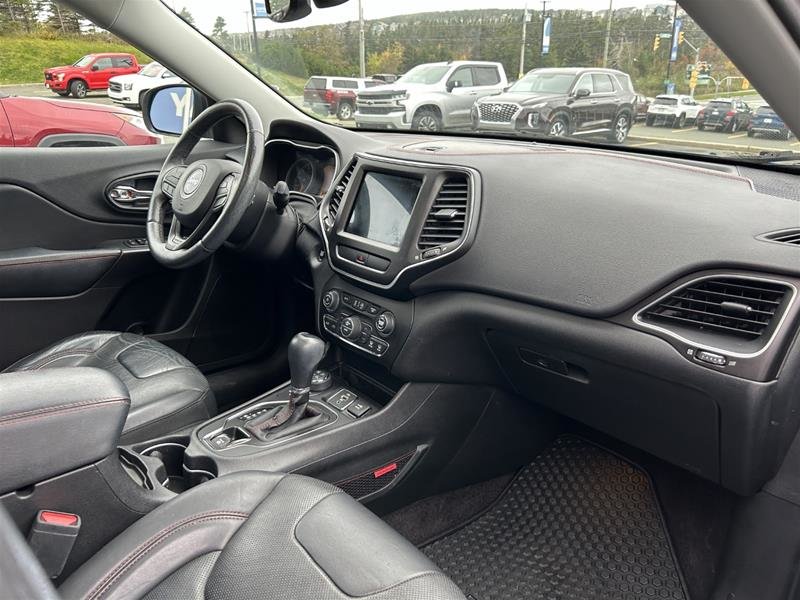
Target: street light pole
671 44
608 32
522 46
362 47
256 54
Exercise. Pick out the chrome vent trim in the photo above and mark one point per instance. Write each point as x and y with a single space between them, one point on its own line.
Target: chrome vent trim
784 236
338 192
447 218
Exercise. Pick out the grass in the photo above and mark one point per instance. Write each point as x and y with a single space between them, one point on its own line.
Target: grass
24 58
289 85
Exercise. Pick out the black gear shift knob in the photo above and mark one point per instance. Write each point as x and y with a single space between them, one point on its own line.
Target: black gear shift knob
305 353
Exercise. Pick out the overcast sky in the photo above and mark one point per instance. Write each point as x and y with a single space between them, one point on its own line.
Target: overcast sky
233 11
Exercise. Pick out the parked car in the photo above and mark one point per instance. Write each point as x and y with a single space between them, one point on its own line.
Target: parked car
385 77
128 89
335 95
674 110
558 102
58 123
431 96
641 104
91 72
767 122
724 114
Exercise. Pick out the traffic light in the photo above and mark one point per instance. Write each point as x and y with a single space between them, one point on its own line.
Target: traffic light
656 43
681 36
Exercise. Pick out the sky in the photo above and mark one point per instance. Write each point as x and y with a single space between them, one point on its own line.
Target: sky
236 12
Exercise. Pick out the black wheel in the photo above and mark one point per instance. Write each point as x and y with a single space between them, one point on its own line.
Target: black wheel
751 133
426 119
558 127
62 92
345 111
701 127
681 122
650 121
78 88
619 132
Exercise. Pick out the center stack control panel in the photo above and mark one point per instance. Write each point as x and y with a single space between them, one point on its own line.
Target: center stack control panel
358 322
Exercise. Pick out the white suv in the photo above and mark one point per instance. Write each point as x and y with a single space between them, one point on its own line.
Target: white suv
128 89
430 97
673 110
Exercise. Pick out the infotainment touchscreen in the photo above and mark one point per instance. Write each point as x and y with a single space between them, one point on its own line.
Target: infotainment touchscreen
383 207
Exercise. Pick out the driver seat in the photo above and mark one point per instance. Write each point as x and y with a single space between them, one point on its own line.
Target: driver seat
167 391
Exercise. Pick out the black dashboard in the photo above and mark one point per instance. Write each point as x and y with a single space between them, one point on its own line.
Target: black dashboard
306 168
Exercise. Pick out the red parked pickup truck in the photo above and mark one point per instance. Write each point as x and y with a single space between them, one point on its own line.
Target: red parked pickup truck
91 72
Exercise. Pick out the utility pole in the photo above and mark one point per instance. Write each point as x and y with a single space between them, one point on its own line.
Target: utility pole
671 44
256 54
608 32
247 31
522 46
362 47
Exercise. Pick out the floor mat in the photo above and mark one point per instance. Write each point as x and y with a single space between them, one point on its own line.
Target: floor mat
578 523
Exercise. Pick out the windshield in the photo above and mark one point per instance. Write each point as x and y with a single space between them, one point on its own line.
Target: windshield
589 62
427 74
544 83
83 62
765 111
151 70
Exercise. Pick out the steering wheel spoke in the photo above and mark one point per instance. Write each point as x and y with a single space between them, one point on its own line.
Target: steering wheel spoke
175 239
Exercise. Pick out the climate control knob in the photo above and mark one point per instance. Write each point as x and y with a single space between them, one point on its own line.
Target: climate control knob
331 300
350 328
385 323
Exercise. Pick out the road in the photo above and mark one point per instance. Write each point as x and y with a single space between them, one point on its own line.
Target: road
641 136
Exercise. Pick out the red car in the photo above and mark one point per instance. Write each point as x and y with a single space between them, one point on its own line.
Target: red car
91 72
58 123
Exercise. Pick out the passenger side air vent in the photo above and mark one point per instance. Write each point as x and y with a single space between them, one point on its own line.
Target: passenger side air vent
786 236
447 218
338 193
737 308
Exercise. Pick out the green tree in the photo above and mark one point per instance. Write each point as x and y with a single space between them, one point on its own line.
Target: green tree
220 33
186 16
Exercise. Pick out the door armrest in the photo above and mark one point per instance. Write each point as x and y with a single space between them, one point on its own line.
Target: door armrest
53 421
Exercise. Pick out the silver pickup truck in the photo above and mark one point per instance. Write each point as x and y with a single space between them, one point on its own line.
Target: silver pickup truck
430 97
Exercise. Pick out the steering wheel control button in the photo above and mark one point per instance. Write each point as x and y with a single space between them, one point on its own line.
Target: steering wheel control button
350 327
385 323
343 399
331 300
711 358
321 380
358 408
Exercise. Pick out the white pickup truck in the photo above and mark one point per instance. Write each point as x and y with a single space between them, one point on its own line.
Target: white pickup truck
430 97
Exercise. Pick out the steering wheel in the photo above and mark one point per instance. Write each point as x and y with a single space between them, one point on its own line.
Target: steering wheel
206 198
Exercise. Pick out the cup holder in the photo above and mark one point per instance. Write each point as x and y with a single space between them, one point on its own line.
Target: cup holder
162 463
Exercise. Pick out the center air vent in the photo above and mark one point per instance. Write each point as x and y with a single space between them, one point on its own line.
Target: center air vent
736 308
786 236
338 193
447 218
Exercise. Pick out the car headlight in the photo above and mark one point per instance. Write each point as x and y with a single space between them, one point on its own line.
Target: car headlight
134 120
533 119
60 77
127 86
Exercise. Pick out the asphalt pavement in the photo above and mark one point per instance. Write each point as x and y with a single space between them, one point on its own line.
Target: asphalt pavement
641 136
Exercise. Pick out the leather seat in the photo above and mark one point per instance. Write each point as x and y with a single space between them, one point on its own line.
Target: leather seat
262 536
167 392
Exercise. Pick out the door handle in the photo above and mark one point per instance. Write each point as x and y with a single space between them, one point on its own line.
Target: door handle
593 101
129 198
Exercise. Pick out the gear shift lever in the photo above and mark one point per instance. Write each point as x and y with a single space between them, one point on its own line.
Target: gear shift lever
305 353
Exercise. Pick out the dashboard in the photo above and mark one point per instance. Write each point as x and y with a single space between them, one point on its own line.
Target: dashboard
306 168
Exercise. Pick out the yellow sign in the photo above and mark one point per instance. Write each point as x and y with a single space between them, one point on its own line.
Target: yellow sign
745 84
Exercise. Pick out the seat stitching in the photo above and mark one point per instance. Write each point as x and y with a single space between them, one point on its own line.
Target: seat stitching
41 413
137 554
200 400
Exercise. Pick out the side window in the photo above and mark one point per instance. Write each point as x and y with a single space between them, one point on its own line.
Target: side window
345 84
103 63
463 75
121 62
585 83
486 75
602 83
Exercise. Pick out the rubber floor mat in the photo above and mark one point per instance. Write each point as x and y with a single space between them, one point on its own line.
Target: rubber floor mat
578 523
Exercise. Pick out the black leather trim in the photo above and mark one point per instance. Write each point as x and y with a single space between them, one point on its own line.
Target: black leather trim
20 572
52 422
37 272
337 526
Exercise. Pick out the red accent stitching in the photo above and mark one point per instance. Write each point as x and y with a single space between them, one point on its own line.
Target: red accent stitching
40 413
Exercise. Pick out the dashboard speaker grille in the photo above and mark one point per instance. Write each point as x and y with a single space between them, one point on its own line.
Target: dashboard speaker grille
786 236
447 218
338 192
734 307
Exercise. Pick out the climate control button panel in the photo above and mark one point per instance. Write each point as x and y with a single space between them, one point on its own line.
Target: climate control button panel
361 323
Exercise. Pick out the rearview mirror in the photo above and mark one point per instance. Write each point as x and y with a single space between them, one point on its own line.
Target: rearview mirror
169 109
582 93
95 68
451 85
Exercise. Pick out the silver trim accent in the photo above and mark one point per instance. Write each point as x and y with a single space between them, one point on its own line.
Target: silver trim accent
637 319
475 178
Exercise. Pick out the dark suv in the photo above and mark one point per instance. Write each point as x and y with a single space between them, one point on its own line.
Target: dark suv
558 102
724 114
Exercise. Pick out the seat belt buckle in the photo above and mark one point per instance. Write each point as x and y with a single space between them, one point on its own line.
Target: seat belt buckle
52 537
